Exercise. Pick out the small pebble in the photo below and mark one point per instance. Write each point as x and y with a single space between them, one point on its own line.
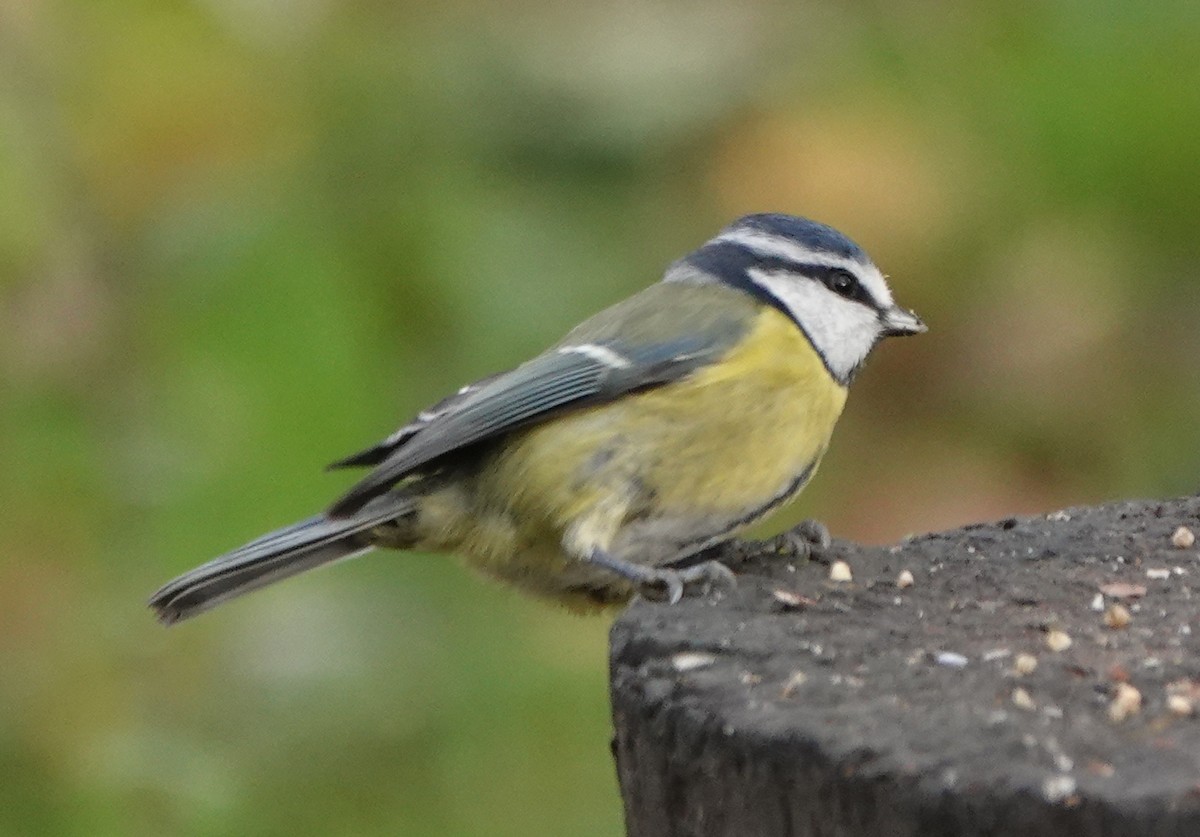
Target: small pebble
1128 701
789 600
840 571
1058 788
1183 538
1123 590
1117 616
690 661
1025 664
1057 640
1188 688
1022 700
793 683
1097 603
1180 705
1158 574
905 579
951 658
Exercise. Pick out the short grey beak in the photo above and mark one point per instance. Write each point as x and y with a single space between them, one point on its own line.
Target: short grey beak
897 323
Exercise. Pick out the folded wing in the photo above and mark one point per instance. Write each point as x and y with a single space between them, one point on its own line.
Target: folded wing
568 377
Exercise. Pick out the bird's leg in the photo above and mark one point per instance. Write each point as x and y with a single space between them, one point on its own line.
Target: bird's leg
810 539
658 579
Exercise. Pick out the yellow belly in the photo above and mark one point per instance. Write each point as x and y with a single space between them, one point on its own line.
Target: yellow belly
715 446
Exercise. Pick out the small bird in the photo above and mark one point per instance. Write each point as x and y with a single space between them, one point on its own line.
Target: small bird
655 429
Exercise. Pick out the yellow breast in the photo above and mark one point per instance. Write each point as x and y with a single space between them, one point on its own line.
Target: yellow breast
727 438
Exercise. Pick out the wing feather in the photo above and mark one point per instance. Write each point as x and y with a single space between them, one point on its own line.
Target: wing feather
595 364
378 452
532 391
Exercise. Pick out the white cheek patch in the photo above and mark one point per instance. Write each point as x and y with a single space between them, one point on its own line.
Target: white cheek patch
842 331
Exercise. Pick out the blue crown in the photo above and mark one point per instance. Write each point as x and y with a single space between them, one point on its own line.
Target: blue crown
811 234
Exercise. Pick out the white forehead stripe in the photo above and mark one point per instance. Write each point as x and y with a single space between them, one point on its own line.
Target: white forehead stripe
765 244
598 353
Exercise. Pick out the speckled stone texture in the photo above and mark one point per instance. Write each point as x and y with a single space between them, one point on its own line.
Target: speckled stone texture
795 705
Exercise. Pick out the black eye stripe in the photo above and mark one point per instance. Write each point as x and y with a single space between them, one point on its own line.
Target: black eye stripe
844 283
731 261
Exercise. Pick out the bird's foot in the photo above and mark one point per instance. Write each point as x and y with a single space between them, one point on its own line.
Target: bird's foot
707 575
664 583
810 539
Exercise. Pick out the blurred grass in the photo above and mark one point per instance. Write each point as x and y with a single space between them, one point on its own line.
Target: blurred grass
240 239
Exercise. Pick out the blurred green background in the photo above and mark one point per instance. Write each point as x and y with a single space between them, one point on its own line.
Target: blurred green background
242 238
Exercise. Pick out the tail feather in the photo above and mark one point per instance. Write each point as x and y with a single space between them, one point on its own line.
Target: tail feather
278 555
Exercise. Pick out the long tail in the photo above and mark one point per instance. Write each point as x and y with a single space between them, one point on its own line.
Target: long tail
273 557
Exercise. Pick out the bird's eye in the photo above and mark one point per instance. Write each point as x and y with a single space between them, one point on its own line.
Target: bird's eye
843 282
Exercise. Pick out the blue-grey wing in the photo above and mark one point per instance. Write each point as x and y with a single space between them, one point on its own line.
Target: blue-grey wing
377 453
565 378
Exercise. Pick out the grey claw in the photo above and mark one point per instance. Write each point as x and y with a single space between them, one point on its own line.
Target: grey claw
810 539
672 582
711 574
815 532
674 585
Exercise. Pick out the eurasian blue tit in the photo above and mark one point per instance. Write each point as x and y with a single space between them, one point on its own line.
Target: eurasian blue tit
659 427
